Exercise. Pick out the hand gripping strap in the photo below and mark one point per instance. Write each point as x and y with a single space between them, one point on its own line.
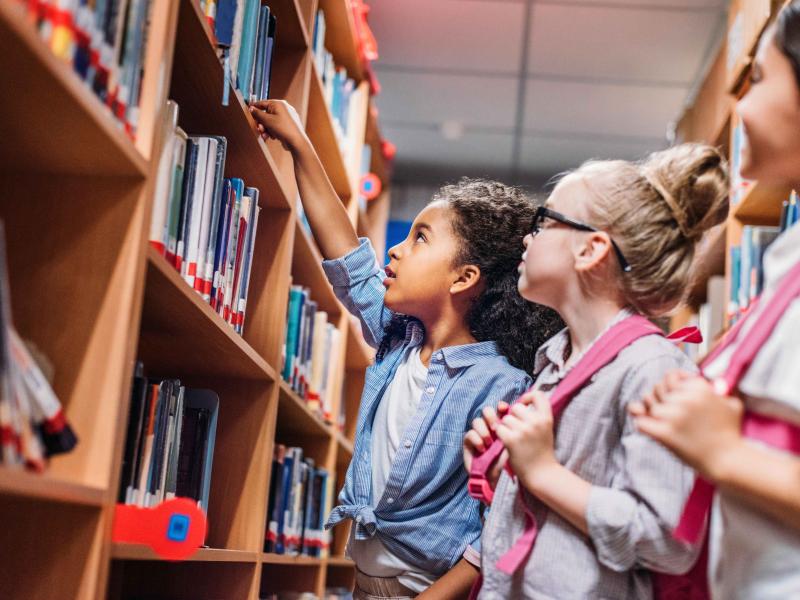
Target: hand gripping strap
770 431
600 354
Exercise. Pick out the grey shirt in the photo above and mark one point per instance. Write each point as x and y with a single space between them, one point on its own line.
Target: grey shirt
638 489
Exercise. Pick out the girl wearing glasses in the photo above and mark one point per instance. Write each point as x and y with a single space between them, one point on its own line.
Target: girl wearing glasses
614 239
754 546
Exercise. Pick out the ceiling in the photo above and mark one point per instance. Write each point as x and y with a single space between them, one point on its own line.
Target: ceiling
523 89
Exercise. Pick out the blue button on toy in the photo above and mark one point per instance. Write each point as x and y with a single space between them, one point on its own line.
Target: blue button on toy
178 528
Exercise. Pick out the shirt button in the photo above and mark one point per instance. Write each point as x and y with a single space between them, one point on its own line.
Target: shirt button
359 519
390 500
407 444
430 389
439 356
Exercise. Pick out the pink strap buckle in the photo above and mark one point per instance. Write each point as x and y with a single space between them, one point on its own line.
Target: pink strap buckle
480 489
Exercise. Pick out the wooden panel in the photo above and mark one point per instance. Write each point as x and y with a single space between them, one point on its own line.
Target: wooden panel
292 31
137 580
56 550
74 248
746 22
295 418
761 205
81 136
197 83
140 552
277 578
24 484
182 335
283 559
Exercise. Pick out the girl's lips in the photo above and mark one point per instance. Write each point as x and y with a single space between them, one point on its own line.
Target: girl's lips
389 273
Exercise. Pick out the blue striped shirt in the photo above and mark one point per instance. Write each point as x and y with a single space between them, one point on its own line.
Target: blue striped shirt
425 516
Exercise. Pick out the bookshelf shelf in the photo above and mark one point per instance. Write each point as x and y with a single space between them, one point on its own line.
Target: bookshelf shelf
294 416
761 205
15 482
340 36
322 134
174 321
121 551
132 305
198 92
283 559
81 137
340 561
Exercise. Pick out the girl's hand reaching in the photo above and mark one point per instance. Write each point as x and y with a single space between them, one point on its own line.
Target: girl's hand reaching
480 437
278 120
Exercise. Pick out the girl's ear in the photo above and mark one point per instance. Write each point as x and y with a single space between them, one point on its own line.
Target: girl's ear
594 249
467 279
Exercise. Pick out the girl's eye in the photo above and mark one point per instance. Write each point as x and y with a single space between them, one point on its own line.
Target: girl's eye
420 236
755 75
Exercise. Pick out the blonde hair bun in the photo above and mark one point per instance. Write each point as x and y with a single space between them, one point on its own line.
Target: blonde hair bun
693 180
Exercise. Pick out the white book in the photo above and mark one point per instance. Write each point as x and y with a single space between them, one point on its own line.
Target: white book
205 219
225 308
175 192
164 179
236 41
318 347
189 266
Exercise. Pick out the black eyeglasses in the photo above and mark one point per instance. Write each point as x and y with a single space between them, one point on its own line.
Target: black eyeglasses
543 213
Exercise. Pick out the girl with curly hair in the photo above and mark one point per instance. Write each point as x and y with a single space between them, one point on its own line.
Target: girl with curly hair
453 337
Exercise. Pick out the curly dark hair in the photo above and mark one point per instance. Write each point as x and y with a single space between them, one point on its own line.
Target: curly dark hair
491 218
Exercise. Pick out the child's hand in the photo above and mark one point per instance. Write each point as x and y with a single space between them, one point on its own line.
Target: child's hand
527 432
479 438
686 415
278 120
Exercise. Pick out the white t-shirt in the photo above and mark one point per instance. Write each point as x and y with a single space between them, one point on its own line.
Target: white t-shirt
395 410
751 554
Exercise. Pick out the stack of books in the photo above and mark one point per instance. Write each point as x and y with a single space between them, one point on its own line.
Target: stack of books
299 502
169 446
245 33
203 223
312 352
104 41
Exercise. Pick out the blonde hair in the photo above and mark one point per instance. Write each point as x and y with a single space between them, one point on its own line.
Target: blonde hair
656 210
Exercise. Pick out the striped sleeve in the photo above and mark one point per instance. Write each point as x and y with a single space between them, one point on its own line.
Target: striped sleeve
358 283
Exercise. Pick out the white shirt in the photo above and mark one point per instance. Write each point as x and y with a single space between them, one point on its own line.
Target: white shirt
753 555
395 410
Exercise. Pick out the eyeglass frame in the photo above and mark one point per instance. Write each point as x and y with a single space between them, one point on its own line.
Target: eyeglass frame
543 212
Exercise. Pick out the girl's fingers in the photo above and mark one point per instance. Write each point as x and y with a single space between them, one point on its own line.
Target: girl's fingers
474 443
637 409
480 427
656 429
490 416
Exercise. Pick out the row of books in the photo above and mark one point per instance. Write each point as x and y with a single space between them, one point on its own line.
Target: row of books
338 88
312 352
169 445
32 422
104 41
245 34
747 273
300 498
204 223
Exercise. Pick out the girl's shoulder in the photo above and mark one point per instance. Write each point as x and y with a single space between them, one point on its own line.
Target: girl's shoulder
646 361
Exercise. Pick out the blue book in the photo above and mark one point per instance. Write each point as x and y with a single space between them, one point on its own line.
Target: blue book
247 259
221 245
296 298
283 503
267 77
248 48
223 25
261 53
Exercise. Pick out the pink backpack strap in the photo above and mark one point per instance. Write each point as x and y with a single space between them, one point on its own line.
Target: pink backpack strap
773 432
602 352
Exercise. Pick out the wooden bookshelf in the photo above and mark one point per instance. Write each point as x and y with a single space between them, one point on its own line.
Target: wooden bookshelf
88 191
712 119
